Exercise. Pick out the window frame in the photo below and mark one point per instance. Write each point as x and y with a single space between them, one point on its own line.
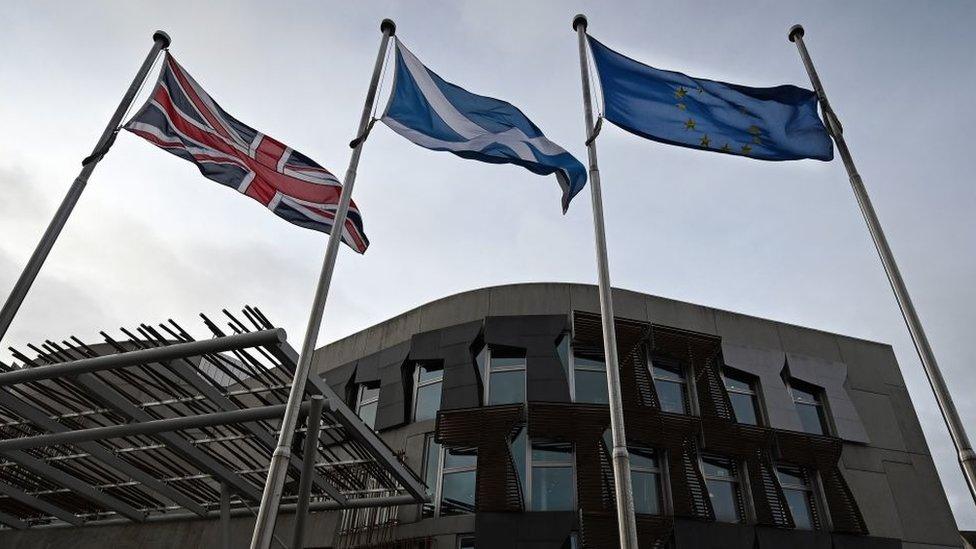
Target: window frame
754 392
489 370
820 404
739 486
663 490
360 390
530 466
819 518
442 470
417 385
687 383
425 474
572 376
462 538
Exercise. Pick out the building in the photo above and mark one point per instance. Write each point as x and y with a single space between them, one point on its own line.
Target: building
744 433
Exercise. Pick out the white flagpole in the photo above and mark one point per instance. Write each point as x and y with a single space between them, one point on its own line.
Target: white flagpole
161 40
957 430
270 499
626 521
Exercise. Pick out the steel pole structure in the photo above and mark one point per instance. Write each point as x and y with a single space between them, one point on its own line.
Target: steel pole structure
267 513
957 430
22 286
626 520
312 425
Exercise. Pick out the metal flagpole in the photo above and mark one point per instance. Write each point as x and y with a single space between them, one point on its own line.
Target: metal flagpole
967 458
268 512
626 521
16 298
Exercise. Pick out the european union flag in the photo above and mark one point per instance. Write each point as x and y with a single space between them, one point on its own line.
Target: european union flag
778 123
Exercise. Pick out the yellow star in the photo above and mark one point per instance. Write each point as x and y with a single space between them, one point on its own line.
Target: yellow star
726 148
705 141
681 92
690 124
746 149
681 106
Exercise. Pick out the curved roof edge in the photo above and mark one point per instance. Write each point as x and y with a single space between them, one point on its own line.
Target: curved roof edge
534 298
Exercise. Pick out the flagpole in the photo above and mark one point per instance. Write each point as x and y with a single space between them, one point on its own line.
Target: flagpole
270 499
957 430
161 41
626 520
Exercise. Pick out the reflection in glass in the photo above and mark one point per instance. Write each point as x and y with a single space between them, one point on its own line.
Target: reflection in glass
647 494
428 401
811 418
744 408
432 455
457 493
722 481
590 380
799 496
506 387
742 394
367 412
669 383
454 459
552 488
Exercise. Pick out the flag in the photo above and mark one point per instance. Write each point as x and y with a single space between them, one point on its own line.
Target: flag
182 118
441 116
779 123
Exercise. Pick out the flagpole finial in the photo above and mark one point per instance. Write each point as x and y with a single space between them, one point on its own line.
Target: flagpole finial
161 36
580 19
796 31
388 25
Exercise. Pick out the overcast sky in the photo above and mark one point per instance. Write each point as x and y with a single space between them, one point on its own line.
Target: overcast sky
151 239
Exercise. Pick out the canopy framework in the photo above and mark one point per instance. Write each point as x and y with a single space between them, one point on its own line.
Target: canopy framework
149 427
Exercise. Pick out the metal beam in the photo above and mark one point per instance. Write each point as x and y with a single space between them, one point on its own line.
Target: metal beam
17 494
182 369
151 427
224 516
308 469
264 338
207 463
97 451
77 486
12 521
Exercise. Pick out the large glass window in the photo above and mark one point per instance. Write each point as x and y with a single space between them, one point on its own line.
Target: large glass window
670 384
465 541
427 381
552 486
645 477
458 477
506 378
432 460
742 393
809 406
366 403
799 496
722 480
590 380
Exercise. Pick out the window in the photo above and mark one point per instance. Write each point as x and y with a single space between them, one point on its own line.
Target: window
809 405
669 382
506 377
369 397
590 380
427 381
799 496
645 477
742 394
432 460
722 480
552 486
572 542
459 471
465 541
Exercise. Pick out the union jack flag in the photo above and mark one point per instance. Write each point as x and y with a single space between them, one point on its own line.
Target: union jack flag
182 118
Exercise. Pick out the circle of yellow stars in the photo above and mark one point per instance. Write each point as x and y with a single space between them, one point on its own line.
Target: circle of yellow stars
705 142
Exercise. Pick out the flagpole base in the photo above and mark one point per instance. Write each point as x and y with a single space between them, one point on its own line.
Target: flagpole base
388 24
796 31
580 19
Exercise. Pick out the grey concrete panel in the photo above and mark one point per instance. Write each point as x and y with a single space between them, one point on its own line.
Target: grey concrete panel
876 502
395 388
865 542
831 376
806 341
911 429
866 458
394 331
347 349
456 309
775 538
746 330
452 346
529 299
677 314
923 511
871 366
339 378
539 530
880 420
767 365
537 334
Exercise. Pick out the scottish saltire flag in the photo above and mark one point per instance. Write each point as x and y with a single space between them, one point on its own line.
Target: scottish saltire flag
182 118
778 123
440 116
